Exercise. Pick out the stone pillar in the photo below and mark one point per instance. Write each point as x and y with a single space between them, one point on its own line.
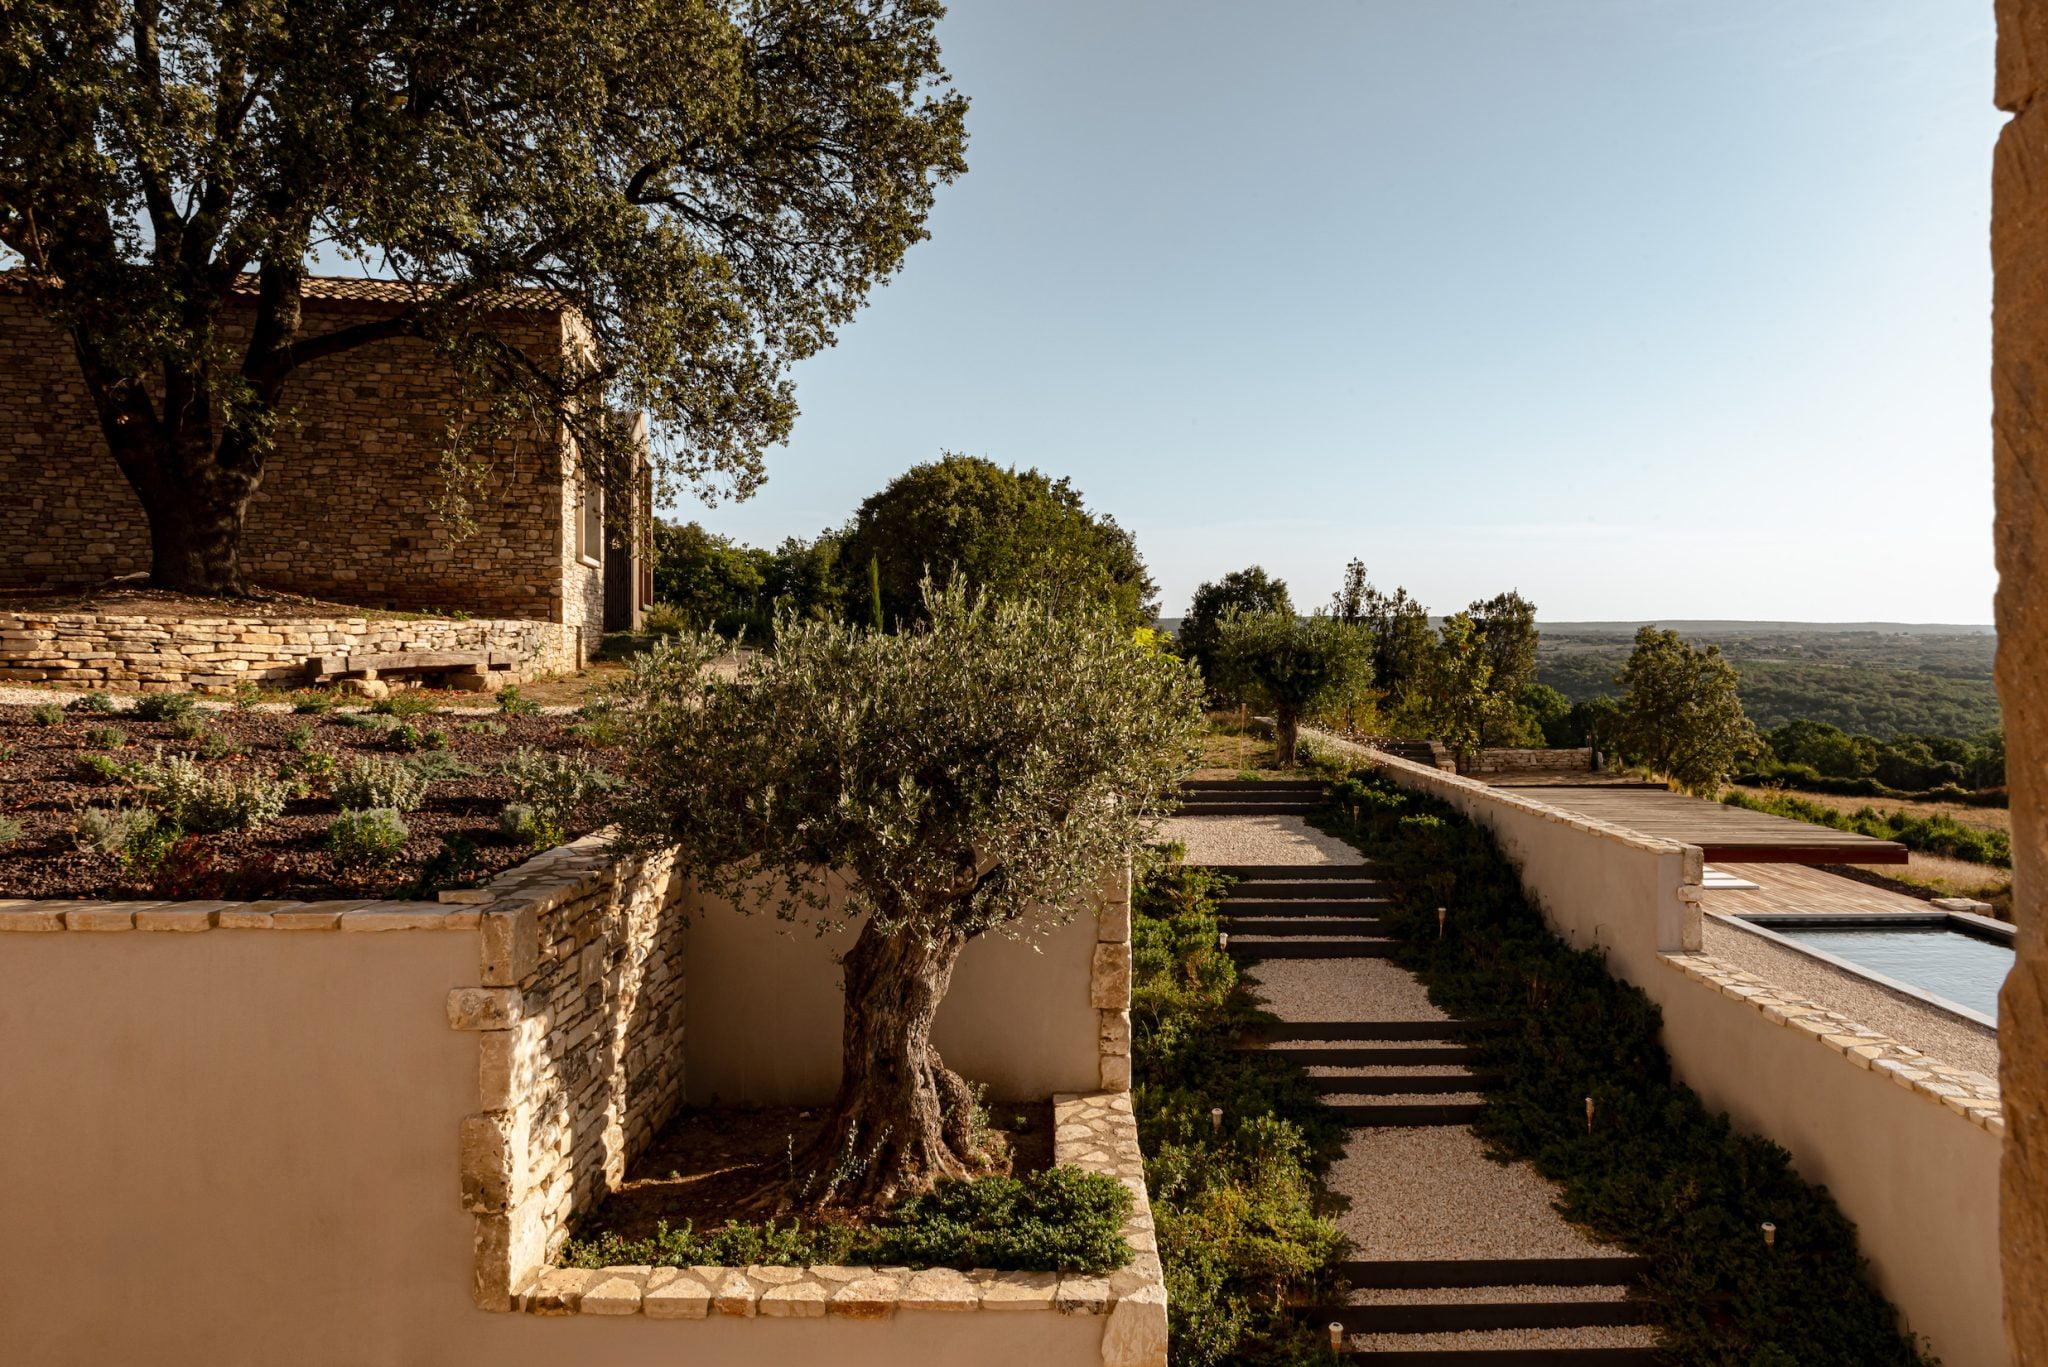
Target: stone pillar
2019 382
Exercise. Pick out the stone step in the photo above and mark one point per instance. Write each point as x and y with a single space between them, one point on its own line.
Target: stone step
1305 906
1403 1084
1301 925
1566 1353
1385 1056
1464 1317
1294 872
1306 890
1255 785
1420 1273
1277 1031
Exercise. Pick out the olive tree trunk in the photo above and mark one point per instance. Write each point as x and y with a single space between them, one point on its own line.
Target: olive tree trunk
1286 735
901 1118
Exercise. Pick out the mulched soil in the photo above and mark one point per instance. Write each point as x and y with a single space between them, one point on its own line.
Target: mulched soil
715 1165
285 859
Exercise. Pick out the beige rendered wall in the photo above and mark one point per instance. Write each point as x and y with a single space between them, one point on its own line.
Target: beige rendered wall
1919 1180
2019 363
766 999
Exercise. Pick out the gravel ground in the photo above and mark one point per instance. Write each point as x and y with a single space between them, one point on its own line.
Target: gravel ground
1341 990
1405 1098
1431 1192
1389 1070
1954 1042
1606 1336
1483 1295
1255 840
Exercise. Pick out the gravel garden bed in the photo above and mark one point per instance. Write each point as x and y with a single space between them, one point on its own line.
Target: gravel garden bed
160 799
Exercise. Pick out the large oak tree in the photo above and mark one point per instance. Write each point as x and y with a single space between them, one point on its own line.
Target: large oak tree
713 184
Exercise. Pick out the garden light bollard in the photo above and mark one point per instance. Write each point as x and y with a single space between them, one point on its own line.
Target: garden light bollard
1589 1115
1770 1235
1441 916
1216 1120
1223 941
1336 1337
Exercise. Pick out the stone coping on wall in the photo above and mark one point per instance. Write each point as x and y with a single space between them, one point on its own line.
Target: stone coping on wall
1096 1132
1973 1096
1444 782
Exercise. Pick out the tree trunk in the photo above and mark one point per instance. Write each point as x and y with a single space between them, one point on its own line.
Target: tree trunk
901 1119
1286 736
195 539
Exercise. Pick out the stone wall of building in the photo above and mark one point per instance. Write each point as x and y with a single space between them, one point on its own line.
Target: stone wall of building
345 510
157 653
2019 389
580 1020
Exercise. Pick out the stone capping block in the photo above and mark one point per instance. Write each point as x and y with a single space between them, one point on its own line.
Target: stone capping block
1095 1131
1972 1096
18 914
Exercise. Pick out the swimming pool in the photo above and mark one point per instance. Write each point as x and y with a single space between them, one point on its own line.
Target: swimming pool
1950 964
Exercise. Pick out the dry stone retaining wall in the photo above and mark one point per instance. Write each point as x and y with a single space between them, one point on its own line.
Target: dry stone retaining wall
1505 761
214 654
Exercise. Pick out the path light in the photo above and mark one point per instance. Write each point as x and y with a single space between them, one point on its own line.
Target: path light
1770 1235
1441 915
1216 1119
1223 940
1589 1115
1336 1337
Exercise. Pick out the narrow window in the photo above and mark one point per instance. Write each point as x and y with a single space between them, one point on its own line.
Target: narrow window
590 524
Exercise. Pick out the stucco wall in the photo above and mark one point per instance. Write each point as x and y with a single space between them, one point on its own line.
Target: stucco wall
343 509
1919 1178
766 998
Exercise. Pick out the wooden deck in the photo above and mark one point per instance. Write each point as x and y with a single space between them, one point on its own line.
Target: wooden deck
1782 888
1726 834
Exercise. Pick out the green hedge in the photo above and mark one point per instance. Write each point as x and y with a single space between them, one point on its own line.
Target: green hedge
1241 1209
1655 1171
1059 1220
1938 834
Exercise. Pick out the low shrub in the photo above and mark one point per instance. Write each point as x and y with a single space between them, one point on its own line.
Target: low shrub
1937 834
122 831
1656 1171
484 726
1059 1220
102 769
368 781
299 738
554 789
11 830
513 703
404 738
1241 1208
402 705
189 869
519 823
245 696
598 725
310 704
165 706
190 726
46 714
453 865
365 721
213 745
106 737
99 703
207 800
367 838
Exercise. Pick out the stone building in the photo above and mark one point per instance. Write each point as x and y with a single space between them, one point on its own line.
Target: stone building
347 507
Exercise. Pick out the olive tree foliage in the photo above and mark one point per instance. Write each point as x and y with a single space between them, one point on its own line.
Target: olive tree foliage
1680 712
1453 696
979 771
1399 627
713 185
1250 591
1505 628
1293 666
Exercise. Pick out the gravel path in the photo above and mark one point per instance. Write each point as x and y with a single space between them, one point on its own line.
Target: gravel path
1256 840
1341 990
1482 1295
1431 1192
1954 1042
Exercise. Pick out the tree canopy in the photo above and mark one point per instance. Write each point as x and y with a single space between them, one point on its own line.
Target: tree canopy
983 768
1249 591
1293 666
1680 712
713 186
1010 533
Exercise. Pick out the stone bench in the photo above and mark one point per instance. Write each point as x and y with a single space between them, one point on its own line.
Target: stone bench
475 671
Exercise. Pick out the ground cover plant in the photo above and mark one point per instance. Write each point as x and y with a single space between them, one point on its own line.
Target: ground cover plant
977 771
1655 1171
1239 1201
165 799
1936 834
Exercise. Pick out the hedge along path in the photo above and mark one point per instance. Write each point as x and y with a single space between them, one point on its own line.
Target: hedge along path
1452 1252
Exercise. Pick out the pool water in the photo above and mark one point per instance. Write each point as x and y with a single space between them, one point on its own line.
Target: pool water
1946 963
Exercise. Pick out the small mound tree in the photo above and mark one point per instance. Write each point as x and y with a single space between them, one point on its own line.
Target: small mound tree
979 770
1293 666
1681 713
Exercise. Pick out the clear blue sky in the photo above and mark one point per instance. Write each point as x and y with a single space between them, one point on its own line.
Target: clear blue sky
1647 308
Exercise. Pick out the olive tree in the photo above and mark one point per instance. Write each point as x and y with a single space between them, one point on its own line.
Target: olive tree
712 186
1293 666
980 770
